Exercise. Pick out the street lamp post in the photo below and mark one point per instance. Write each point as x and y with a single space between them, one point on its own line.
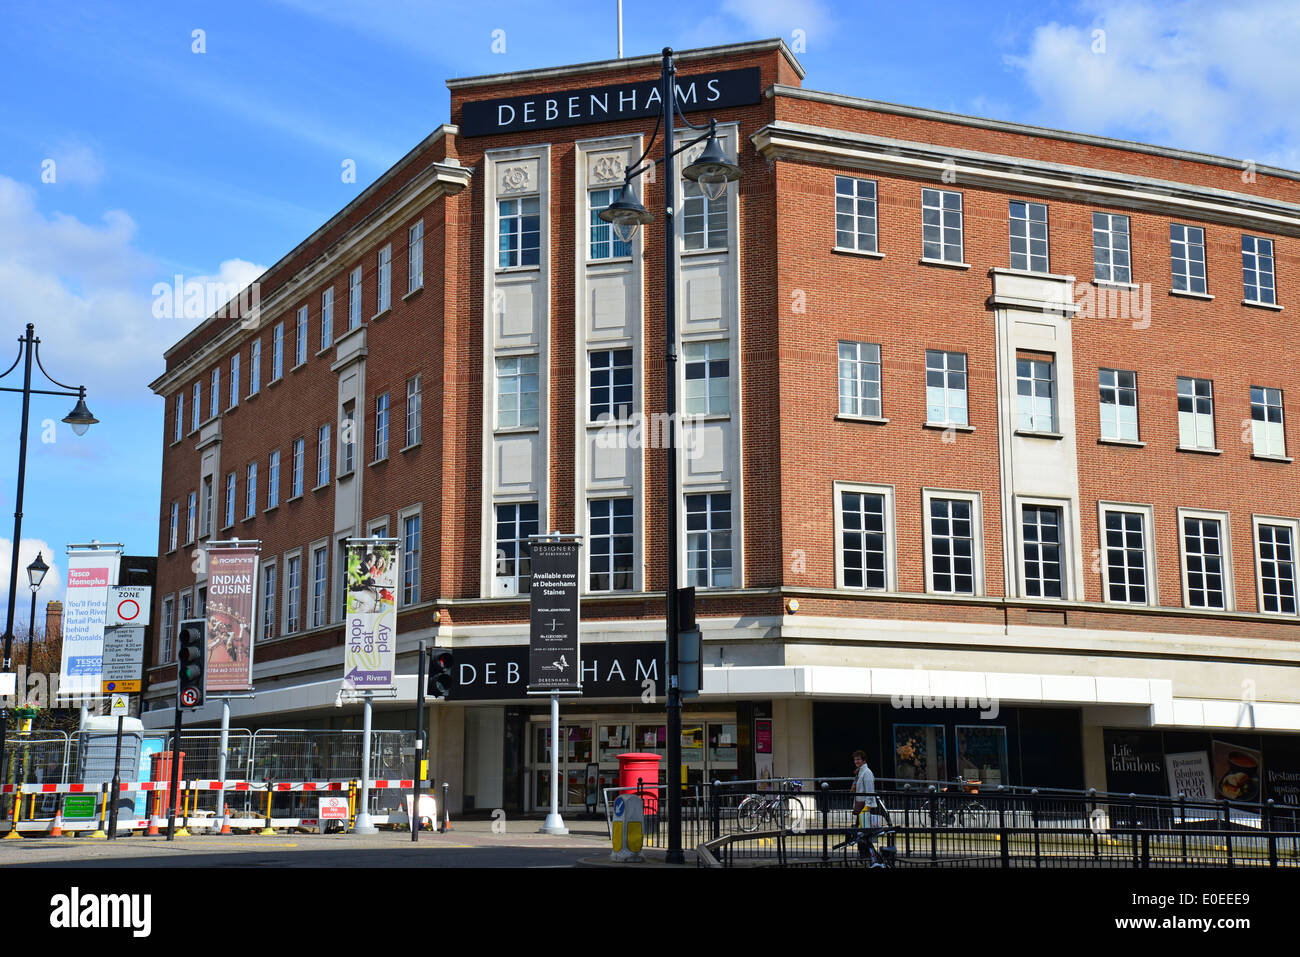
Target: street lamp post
35 575
712 170
29 349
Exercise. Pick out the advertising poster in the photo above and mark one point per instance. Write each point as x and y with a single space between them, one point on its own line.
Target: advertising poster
1238 772
1189 775
1282 770
764 766
232 600
84 611
553 616
370 655
1135 762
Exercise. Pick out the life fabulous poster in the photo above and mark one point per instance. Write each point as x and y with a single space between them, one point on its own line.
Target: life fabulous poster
85 608
370 655
553 616
232 597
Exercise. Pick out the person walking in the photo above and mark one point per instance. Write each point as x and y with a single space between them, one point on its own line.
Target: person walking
864 790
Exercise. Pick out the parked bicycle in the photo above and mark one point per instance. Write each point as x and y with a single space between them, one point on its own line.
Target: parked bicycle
781 810
871 854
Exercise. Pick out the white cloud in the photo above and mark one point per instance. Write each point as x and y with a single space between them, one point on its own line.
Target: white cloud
52 587
1201 75
76 163
778 18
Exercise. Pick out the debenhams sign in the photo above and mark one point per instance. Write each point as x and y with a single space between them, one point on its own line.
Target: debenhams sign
599 104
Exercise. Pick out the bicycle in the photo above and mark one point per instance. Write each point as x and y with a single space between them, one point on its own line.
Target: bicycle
885 855
969 813
776 808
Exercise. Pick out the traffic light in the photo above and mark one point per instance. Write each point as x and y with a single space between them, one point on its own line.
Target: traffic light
191 643
689 663
442 675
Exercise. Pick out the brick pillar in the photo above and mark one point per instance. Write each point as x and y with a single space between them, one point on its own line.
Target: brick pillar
53 621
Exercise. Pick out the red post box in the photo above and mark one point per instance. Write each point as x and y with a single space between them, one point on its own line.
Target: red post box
162 771
635 766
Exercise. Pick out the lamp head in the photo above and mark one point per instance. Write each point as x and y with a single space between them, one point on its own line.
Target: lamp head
626 214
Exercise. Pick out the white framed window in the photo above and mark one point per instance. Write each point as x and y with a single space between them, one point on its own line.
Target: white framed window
384 300
255 367
941 225
708 378
270 596
320 572
610 386
381 426
1275 563
179 427
1257 269
347 439
855 214
1205 540
209 506
250 490
517 388
519 232
300 337
1042 550
1110 248
415 257
214 408
277 352
1195 413
273 480
603 244
234 380
196 413
323 455
1117 391
190 508
708 540
187 605
1187 257
1266 430
610 544
704 220
296 467
1028 224
1036 394
865 550
1127 558
945 388
409 522
515 522
354 299
859 374
954 542
327 318
231 488
173 526
414 407
293 593
167 637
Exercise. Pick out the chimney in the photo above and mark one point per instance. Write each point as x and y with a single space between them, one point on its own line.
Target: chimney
53 620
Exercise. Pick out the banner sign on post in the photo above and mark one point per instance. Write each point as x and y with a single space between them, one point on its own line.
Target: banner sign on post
370 655
85 609
232 601
553 615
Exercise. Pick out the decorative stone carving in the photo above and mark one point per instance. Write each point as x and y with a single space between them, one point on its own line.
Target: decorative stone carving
515 179
608 168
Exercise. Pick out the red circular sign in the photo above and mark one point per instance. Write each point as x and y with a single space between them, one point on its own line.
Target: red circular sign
190 697
128 609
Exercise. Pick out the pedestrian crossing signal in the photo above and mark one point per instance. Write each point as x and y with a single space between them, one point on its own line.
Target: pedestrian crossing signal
442 676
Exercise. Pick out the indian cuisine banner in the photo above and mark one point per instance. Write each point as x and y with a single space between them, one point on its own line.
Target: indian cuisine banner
370 655
232 600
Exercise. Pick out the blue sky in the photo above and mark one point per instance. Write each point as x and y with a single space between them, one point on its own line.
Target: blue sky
215 163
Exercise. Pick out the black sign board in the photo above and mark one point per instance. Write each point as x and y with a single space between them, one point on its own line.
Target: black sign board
618 670
553 613
600 104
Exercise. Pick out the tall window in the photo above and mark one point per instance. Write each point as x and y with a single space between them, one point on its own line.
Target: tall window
855 214
295 473
173 526
860 378
1041 530
517 392
230 499
704 220
514 524
300 337
270 595
196 413
234 380
1119 414
179 427
1266 421
347 438
611 384
327 318
277 352
209 506
319 586
385 298
354 299
415 257
413 411
1187 256
273 480
292 593
863 540
941 226
250 490
1029 236
1126 556
519 232
708 378
381 426
610 559
708 540
187 606
255 367
322 455
1277 568
191 506
168 630
604 244
411 559
945 387
214 408
1195 413
1257 269
1036 394
952 546
1110 250
1203 555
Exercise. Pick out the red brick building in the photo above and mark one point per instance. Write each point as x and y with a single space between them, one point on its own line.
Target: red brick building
987 461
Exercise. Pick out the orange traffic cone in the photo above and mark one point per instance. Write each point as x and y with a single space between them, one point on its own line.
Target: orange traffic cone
56 825
153 818
225 821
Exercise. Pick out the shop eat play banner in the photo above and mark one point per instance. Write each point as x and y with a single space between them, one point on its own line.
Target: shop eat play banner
370 654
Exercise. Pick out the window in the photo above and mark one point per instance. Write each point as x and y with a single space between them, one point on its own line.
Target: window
173 527
191 504
1195 413
179 428
1257 269
187 606
1041 532
273 480
354 299
295 469
1118 394
415 257
515 523
1124 551
292 593
708 378
168 630
610 557
704 220
411 558
319 586
1187 255
250 491
277 352
413 411
864 552
322 455
941 225
1110 251
611 384
860 379
347 439
231 484
519 232
270 595
327 318
209 506
381 426
1266 421
234 380
517 392
300 340
604 245
708 540
1203 564
202 610
1029 236
196 412
214 408
255 367
945 387
1036 394
385 299
952 543
1276 557
855 214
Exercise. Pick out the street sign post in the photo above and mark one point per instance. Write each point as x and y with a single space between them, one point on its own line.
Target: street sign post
123 659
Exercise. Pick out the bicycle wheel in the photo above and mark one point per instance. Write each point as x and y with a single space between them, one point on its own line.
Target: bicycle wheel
748 814
795 813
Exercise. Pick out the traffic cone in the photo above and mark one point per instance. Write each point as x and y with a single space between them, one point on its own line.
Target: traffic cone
225 821
56 825
153 818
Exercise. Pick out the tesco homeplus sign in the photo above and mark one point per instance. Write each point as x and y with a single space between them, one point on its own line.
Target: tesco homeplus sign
599 104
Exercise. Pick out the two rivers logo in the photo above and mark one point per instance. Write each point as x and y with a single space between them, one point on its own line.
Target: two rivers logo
78 910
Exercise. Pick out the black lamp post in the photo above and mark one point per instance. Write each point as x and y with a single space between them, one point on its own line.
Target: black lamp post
35 575
712 170
29 349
